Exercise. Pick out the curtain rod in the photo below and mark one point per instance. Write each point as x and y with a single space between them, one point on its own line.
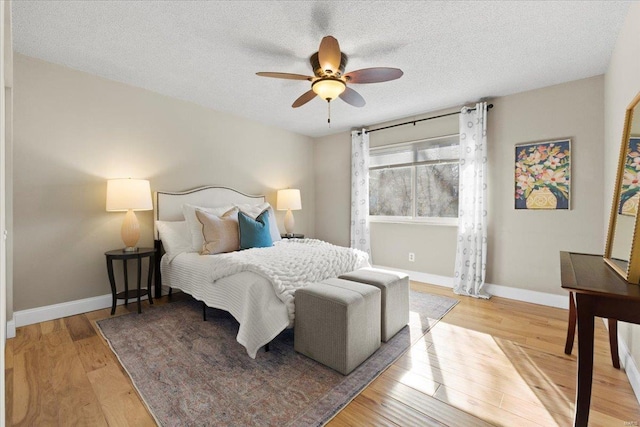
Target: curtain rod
413 122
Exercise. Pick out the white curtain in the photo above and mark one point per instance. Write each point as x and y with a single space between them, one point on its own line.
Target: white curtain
471 254
360 191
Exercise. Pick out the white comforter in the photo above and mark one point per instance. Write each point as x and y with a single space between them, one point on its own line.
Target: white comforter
257 285
291 264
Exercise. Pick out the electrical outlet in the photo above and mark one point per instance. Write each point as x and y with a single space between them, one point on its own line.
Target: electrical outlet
412 257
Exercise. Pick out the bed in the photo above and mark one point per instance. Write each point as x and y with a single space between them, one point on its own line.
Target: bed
242 282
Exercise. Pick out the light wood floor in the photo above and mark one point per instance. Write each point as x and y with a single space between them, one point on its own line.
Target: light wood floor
496 362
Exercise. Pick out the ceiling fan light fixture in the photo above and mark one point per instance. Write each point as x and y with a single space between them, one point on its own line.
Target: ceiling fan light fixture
329 80
328 88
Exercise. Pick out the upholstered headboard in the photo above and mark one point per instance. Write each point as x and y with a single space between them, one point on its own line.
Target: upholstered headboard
167 206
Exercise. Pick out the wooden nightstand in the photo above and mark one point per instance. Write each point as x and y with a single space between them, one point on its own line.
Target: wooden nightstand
134 293
292 236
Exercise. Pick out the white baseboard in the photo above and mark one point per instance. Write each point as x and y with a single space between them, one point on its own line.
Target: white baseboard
57 311
627 362
11 328
534 297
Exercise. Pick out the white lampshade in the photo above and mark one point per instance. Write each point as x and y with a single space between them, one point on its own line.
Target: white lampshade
129 195
328 88
289 199
124 194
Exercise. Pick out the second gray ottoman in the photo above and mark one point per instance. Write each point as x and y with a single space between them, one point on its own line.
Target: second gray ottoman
337 323
395 296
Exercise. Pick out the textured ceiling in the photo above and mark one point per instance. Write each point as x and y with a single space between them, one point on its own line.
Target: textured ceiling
208 52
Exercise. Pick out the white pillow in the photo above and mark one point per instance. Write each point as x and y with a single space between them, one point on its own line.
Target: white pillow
255 210
195 226
175 237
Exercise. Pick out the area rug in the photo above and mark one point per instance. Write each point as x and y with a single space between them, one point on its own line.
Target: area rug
190 372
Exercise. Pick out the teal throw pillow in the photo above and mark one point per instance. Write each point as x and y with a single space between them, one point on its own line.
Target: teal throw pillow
254 233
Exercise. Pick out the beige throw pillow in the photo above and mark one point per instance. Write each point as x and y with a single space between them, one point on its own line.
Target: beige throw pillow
220 232
195 227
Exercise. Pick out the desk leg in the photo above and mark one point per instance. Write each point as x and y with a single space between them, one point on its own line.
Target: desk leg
585 310
112 281
139 282
571 329
149 277
613 342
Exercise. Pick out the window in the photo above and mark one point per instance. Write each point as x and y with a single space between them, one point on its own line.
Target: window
415 181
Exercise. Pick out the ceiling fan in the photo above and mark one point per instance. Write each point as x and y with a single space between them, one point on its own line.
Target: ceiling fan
329 80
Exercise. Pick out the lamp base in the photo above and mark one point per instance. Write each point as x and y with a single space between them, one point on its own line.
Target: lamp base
289 222
130 231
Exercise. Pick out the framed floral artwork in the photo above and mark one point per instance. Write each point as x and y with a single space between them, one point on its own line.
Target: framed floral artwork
543 175
629 193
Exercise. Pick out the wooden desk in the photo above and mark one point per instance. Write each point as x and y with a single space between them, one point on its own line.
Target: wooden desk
599 292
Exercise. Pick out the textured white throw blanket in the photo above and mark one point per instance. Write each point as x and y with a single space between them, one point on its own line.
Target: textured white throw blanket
291 264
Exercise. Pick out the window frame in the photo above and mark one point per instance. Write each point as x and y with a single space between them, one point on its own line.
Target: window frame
390 219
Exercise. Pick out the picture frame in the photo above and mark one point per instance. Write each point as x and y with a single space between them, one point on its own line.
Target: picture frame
543 175
630 185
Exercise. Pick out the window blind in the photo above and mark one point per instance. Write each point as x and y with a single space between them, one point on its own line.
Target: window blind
425 151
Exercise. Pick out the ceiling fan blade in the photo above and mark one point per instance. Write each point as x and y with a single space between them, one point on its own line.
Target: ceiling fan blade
288 76
304 98
373 75
352 97
329 54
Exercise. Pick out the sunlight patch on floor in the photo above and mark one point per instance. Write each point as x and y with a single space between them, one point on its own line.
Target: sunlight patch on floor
496 380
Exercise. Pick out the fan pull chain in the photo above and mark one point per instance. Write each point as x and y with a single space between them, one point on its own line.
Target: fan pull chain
329 112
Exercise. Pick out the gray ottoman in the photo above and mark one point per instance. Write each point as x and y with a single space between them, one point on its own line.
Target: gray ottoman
395 297
337 323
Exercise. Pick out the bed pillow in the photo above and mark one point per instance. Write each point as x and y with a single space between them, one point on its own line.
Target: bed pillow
175 237
254 210
254 233
195 227
220 233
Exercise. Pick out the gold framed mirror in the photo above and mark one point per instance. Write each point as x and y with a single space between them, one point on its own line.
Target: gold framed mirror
622 251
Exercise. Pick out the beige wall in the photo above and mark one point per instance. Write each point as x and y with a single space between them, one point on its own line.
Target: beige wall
8 132
523 245
73 131
622 83
332 166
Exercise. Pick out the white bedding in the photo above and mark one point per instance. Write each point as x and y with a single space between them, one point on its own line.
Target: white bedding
291 264
257 285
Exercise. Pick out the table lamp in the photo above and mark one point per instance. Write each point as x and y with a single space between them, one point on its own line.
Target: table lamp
289 200
129 195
